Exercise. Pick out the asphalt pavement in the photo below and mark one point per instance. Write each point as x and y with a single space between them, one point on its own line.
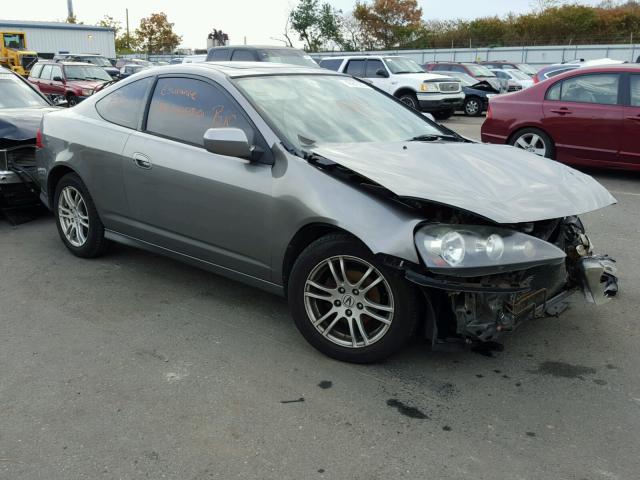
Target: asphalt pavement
134 366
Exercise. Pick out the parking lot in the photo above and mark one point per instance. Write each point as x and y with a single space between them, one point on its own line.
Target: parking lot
136 366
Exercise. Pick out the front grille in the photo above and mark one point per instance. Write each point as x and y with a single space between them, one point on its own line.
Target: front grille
449 87
21 156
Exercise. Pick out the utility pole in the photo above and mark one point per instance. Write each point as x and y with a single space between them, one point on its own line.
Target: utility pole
128 38
70 8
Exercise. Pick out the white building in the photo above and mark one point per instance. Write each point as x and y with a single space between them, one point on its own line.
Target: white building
49 38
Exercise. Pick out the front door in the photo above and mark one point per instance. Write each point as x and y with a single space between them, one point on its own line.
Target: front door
44 82
630 147
583 115
374 69
189 200
56 84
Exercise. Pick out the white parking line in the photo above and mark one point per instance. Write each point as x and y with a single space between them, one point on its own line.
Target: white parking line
625 193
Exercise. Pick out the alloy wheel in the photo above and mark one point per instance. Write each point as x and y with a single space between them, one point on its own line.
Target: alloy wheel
533 143
472 107
408 100
73 216
349 301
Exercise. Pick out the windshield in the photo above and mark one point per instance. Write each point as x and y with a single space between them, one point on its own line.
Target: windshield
528 69
519 75
86 72
13 40
291 57
480 71
399 65
100 61
465 79
14 93
310 110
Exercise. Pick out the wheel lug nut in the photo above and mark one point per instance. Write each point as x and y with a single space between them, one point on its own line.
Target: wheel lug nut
341 290
360 306
349 313
356 292
337 303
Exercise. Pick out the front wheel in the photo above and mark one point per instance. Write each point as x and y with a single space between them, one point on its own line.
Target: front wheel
535 141
409 99
473 107
78 223
72 99
347 304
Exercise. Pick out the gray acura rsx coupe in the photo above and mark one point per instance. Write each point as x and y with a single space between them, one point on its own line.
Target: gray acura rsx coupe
371 219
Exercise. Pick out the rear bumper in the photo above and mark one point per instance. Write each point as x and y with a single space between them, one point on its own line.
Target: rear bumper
437 102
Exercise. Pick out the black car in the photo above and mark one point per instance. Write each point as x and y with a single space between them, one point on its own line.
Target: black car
253 53
477 93
21 110
92 58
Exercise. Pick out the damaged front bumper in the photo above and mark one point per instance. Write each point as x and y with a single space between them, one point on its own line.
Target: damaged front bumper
482 309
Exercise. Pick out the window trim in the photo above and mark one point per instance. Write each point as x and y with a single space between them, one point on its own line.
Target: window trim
258 140
621 97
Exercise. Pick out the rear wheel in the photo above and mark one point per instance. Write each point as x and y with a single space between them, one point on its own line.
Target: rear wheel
534 140
473 107
347 304
78 223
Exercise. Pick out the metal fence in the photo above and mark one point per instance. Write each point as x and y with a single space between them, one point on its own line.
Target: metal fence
537 56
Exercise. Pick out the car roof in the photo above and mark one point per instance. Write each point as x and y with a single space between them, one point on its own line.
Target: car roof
255 47
623 67
50 62
246 69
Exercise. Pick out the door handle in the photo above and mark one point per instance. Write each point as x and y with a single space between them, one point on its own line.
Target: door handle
142 161
562 111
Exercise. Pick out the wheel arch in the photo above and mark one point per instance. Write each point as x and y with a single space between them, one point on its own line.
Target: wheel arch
304 237
402 90
519 128
53 179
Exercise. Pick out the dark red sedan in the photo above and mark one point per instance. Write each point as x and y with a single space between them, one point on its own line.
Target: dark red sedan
587 117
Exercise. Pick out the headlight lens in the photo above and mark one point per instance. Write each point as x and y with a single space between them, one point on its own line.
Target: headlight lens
472 250
429 87
87 92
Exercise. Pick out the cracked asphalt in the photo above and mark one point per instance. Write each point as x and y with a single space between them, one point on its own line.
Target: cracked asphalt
135 366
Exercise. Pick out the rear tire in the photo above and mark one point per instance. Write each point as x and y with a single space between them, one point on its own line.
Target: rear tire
77 219
333 312
535 141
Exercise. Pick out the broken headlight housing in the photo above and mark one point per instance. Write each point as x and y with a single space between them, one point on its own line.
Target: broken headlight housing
474 250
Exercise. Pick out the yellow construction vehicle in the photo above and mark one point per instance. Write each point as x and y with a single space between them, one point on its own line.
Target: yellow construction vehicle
14 53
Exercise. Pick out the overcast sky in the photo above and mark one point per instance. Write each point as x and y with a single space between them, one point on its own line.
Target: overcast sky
257 20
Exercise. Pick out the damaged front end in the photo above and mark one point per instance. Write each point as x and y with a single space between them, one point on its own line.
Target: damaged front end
482 281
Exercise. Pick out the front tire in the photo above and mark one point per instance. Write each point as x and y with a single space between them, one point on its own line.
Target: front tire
535 141
77 219
473 107
409 99
347 304
72 100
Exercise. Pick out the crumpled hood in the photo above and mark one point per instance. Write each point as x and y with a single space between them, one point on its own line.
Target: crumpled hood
498 182
21 123
90 84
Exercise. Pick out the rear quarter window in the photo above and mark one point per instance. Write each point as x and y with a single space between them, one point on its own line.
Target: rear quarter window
35 71
554 92
331 64
125 105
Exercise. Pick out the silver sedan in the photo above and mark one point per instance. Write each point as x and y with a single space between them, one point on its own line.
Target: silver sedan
371 219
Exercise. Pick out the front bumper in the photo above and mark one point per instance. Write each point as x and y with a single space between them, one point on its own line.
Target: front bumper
435 102
486 307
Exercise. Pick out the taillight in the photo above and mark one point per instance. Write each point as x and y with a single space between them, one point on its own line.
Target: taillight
39 143
489 112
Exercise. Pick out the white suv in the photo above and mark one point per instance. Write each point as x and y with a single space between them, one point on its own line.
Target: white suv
404 79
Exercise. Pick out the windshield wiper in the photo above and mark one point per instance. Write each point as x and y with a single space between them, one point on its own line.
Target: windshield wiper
433 137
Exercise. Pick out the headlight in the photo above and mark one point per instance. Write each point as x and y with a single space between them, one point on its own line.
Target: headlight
471 250
429 87
87 92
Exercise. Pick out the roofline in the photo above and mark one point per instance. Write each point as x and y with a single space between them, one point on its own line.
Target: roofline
53 25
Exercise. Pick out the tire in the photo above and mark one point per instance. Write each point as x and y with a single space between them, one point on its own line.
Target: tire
410 99
72 100
535 141
349 334
84 235
442 114
473 107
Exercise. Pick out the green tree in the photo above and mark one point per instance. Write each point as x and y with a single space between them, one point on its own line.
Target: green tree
318 25
124 43
390 23
155 34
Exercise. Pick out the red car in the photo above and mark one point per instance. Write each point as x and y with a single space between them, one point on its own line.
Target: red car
585 117
74 81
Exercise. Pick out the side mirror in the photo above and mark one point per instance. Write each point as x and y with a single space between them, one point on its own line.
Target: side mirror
232 142
57 79
382 73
